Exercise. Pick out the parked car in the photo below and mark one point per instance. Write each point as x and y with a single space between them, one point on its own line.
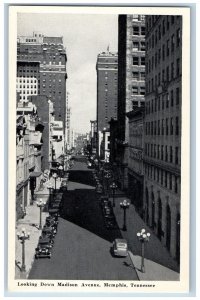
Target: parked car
120 247
43 248
99 189
51 221
108 211
47 234
105 203
110 222
52 229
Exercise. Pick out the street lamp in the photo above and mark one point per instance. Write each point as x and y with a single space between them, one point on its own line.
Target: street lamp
23 236
49 186
113 186
143 238
55 176
40 204
124 205
107 176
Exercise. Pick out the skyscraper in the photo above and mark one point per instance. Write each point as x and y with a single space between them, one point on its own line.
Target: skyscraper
107 82
41 70
162 129
131 82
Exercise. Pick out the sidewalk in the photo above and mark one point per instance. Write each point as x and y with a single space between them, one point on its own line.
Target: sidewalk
30 223
159 265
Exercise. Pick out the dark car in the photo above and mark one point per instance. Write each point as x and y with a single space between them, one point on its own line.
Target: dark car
110 222
47 234
52 229
105 203
107 211
43 248
51 221
54 212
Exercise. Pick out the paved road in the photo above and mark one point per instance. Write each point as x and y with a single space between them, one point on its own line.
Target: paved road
82 244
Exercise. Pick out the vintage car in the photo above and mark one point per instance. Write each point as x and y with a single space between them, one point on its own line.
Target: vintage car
99 189
110 222
43 249
108 211
120 247
51 221
52 229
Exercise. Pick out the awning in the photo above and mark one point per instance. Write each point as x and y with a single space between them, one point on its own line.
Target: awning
35 174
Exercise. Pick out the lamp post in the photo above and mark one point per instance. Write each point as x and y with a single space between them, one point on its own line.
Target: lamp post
107 176
40 204
113 186
23 236
55 176
49 186
61 171
124 205
143 238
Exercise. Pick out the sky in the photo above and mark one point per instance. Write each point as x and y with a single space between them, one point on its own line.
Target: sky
84 36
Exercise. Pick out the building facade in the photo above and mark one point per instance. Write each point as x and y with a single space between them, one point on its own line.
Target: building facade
107 83
162 129
41 70
131 78
135 158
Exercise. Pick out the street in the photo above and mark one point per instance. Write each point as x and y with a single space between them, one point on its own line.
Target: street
82 248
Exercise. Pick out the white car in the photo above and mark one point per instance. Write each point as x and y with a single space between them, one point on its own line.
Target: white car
120 247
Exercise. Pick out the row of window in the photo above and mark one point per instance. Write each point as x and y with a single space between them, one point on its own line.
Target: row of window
164 178
24 71
156 60
175 41
138 18
29 92
167 76
165 153
138 30
139 76
138 90
163 127
26 80
138 46
166 22
162 102
138 61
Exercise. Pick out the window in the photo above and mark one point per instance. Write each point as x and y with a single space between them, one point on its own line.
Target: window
155 126
167 73
162 152
142 30
163 101
135 30
172 70
167 100
158 151
177 96
135 90
142 76
177 126
135 75
176 155
172 97
166 154
166 126
163 52
171 127
158 103
178 37
177 67
167 22
166 179
159 55
142 90
172 43
162 177
163 75
153 41
158 127
159 32
172 20
158 175
175 184
163 27
171 154
142 61
167 47
162 126
135 46
135 61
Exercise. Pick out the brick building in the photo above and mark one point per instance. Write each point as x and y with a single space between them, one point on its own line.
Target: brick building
41 70
107 76
162 129
131 79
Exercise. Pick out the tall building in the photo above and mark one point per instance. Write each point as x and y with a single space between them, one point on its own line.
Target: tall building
107 82
162 129
131 83
41 70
